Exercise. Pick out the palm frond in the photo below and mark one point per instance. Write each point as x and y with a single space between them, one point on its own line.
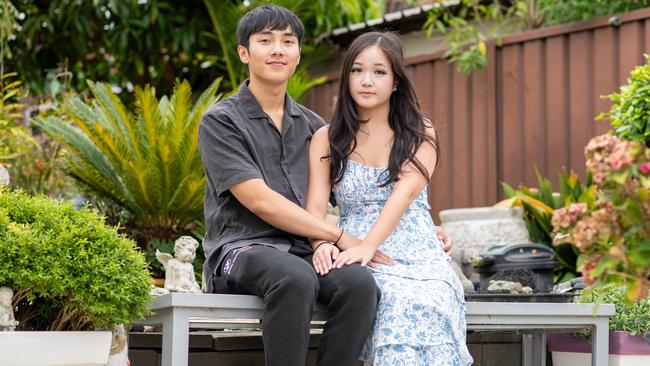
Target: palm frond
146 160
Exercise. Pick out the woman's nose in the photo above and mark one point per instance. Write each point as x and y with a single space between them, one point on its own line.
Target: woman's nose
365 79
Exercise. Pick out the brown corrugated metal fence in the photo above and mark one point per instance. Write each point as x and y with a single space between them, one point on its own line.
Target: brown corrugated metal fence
533 106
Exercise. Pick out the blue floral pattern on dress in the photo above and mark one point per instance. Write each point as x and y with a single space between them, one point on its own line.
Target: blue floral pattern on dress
421 316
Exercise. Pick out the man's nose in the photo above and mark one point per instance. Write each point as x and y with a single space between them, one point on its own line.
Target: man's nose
278 48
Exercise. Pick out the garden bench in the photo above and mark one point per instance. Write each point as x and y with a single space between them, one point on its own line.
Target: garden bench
178 312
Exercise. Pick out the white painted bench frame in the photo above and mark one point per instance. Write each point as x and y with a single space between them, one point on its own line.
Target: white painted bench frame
178 312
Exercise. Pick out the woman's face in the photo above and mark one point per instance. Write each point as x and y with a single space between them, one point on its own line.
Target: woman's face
371 80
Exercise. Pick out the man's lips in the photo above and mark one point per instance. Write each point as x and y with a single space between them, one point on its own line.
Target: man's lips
276 63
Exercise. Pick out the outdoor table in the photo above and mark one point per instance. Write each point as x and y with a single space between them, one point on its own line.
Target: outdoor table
178 312
537 319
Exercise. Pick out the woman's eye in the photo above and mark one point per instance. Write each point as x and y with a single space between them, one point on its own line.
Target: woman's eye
355 70
380 72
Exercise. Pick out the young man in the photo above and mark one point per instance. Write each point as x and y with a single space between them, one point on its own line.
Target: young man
255 148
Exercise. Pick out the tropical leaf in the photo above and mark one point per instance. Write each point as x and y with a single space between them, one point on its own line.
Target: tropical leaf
145 160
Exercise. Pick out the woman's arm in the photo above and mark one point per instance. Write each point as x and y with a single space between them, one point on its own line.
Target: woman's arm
406 189
318 193
318 182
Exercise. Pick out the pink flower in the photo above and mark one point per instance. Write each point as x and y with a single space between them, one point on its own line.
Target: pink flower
568 216
600 144
621 156
587 278
644 168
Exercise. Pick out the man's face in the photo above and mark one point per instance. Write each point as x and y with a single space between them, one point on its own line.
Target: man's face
272 55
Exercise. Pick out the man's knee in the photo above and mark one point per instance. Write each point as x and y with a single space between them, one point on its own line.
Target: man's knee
298 280
358 283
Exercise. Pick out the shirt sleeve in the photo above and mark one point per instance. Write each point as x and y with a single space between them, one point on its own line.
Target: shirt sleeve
225 153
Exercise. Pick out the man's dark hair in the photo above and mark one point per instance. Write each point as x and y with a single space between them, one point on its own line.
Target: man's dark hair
271 17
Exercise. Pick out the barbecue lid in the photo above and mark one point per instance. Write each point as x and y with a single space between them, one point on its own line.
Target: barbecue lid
523 253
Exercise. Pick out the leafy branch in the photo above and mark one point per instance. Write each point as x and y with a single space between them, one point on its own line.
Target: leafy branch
467 27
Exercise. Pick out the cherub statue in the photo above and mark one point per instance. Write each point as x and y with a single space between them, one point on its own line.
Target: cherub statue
7 320
179 272
4 176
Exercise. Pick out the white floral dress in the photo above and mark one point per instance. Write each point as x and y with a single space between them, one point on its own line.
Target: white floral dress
421 316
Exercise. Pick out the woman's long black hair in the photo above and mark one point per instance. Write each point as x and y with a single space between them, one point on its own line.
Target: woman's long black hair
404 117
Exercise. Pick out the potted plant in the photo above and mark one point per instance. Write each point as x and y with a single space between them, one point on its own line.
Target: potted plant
69 271
611 232
627 346
540 203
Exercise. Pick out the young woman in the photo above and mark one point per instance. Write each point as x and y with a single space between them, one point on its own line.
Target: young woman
377 157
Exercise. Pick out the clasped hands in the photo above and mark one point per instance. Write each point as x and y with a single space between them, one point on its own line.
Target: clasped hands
328 256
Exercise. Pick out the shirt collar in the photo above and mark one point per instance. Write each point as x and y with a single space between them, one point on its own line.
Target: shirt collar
253 107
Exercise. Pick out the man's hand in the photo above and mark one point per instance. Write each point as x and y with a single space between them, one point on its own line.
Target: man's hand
323 257
446 240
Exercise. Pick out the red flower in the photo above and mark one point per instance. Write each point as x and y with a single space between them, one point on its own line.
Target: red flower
644 168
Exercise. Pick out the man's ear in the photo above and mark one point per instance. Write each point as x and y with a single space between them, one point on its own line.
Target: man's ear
243 54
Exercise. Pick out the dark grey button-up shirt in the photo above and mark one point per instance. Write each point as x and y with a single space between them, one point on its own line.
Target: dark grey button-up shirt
238 141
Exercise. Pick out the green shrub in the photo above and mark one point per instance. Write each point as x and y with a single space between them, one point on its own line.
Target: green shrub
629 317
68 269
630 114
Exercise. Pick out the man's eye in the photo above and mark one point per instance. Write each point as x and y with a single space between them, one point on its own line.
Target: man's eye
289 41
264 41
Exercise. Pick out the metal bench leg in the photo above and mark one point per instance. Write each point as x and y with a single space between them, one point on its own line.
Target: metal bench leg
533 349
175 342
600 343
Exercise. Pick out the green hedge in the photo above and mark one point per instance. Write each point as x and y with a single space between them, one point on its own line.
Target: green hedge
630 114
68 269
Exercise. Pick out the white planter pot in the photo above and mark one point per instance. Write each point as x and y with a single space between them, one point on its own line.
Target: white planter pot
478 228
55 348
624 350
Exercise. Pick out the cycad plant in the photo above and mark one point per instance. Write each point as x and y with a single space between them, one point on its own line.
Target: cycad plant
145 161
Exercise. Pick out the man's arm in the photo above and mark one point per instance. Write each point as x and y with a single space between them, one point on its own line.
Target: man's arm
229 166
278 211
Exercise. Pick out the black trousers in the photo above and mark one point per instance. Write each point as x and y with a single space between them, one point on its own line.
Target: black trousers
290 289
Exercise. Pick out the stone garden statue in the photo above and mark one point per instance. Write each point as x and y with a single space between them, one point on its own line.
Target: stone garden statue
4 176
461 260
179 272
7 320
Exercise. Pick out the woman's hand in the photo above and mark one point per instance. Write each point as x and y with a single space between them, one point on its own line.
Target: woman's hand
446 240
361 254
323 257
380 258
